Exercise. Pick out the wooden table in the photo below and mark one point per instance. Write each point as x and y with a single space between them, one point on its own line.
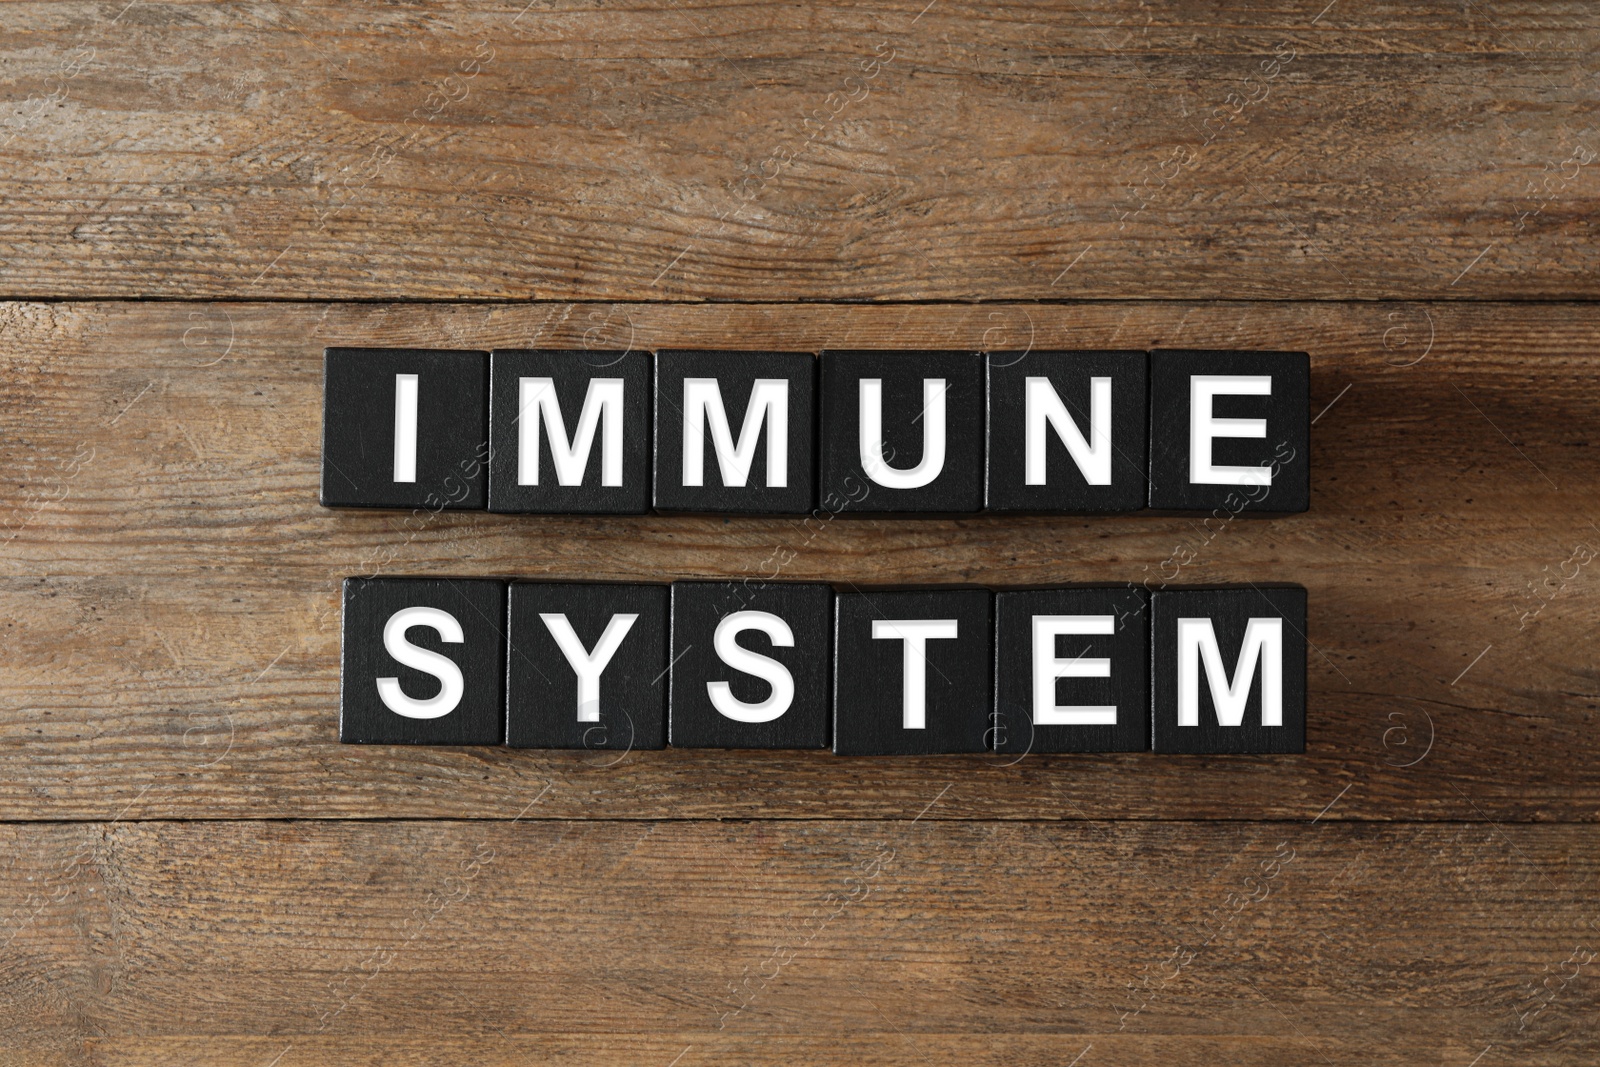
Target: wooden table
196 198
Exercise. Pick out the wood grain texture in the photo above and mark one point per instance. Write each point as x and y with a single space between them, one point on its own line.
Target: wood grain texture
196 198
170 586
841 941
712 151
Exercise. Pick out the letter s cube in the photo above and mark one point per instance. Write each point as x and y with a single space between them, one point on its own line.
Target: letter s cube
423 661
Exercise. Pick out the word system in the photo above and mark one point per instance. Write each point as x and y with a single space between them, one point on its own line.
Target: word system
600 432
731 664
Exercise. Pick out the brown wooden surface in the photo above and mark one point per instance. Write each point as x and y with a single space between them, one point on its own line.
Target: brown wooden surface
178 647
742 151
192 870
798 942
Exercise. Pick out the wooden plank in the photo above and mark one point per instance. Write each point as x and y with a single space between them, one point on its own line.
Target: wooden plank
170 584
688 151
604 942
